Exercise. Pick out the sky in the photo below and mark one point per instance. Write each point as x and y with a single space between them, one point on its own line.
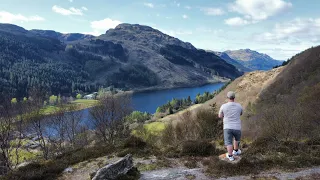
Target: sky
279 28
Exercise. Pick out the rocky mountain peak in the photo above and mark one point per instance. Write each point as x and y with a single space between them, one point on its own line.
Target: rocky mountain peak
143 35
135 27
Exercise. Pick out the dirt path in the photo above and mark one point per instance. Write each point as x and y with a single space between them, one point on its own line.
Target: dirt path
178 171
185 174
311 173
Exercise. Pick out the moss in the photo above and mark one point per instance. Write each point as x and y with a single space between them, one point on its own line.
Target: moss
158 164
24 156
15 142
147 167
190 176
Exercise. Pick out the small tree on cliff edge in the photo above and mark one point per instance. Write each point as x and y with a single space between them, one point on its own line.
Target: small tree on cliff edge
108 116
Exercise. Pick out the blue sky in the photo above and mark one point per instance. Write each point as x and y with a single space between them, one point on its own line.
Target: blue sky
279 28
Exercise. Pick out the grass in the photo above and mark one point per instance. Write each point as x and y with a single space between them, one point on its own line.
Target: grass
85 102
81 103
49 109
155 128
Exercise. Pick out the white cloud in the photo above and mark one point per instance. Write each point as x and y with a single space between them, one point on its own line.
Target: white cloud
213 11
84 8
259 9
185 16
67 12
236 21
295 31
175 33
209 30
254 11
188 7
100 27
176 3
70 0
6 17
150 5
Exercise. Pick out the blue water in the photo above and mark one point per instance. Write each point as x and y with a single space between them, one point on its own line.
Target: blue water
150 101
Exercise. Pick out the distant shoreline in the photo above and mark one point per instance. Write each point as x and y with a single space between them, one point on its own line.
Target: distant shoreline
157 88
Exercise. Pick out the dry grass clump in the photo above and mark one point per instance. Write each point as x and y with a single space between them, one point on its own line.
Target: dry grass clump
193 133
265 154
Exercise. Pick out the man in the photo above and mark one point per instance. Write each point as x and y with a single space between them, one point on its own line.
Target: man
231 112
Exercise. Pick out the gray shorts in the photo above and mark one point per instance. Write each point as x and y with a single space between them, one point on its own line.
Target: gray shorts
229 134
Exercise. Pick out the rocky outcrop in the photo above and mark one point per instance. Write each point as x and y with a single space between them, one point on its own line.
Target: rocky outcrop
116 170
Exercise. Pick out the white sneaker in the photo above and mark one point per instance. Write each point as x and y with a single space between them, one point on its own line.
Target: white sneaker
230 158
236 153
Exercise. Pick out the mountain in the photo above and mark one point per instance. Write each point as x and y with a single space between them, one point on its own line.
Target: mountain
253 59
62 37
229 60
129 56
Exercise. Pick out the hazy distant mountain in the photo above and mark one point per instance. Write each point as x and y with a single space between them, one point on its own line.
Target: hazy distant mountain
62 37
129 56
229 60
253 59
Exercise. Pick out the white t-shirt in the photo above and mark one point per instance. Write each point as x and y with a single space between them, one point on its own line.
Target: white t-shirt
231 112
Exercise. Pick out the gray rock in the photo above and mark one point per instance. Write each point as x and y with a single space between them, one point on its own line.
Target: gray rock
115 170
32 145
68 170
35 138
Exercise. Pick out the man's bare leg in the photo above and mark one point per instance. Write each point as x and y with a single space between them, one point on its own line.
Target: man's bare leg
230 149
236 144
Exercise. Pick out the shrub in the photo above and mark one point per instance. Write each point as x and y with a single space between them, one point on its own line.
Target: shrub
47 170
210 125
137 116
191 163
200 125
198 148
134 142
79 96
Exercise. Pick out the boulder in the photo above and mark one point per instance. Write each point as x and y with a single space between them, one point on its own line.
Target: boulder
68 170
117 170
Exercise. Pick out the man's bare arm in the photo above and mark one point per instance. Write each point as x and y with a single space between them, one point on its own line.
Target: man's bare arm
221 115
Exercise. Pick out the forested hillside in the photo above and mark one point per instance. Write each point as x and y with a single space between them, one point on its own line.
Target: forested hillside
128 57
